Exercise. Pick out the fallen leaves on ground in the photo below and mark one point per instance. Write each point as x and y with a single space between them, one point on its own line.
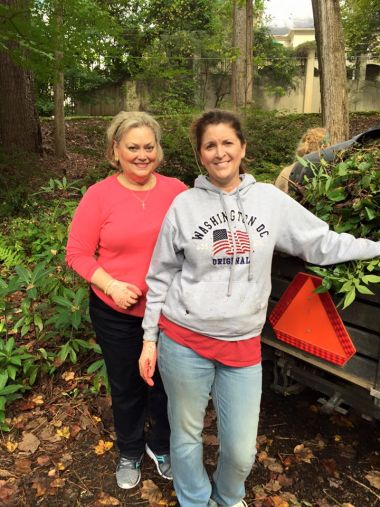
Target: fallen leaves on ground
153 494
63 432
11 446
105 499
68 375
210 439
8 492
374 479
303 453
102 447
29 443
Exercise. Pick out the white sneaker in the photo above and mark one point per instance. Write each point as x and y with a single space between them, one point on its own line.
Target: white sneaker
162 462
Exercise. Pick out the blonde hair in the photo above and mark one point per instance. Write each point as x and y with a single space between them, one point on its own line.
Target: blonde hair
313 140
122 123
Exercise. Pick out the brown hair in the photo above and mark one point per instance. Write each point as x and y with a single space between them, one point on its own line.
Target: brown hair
215 117
126 120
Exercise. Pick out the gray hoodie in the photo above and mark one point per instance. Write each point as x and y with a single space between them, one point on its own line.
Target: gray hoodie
211 267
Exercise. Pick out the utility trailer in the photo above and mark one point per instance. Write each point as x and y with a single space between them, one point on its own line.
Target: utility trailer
357 383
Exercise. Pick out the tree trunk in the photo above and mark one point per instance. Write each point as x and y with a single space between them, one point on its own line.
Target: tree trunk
249 52
59 111
59 87
19 122
241 78
332 68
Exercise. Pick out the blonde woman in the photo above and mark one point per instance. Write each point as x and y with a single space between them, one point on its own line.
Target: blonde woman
110 244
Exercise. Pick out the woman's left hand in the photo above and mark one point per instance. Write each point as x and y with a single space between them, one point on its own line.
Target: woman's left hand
147 362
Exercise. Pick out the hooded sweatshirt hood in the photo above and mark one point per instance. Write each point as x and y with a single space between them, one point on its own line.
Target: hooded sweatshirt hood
246 180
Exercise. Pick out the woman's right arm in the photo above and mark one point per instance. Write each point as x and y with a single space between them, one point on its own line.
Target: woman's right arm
84 233
82 243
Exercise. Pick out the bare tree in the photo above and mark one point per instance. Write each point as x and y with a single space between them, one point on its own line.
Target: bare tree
332 67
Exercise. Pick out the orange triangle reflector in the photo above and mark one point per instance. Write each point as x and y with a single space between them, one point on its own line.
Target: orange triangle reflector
310 321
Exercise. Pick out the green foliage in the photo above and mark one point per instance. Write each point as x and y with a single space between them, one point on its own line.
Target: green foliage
71 309
41 300
33 36
9 256
272 138
180 160
17 373
276 67
70 188
175 48
361 22
345 193
163 15
349 279
17 169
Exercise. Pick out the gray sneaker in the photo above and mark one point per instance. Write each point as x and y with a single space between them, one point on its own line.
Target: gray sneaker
128 473
162 462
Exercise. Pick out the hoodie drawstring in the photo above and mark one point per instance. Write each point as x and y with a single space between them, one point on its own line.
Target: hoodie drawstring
241 209
229 289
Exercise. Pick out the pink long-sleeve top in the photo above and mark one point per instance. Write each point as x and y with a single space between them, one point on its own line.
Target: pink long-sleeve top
116 229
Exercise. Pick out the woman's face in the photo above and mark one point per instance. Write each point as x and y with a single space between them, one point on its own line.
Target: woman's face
221 153
137 154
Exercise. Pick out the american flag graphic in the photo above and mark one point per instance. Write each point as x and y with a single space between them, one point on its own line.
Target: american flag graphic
222 242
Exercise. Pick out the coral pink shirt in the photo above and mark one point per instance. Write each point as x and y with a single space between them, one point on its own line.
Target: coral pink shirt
238 353
112 229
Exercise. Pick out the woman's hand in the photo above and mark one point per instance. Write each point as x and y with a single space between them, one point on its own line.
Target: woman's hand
124 294
147 362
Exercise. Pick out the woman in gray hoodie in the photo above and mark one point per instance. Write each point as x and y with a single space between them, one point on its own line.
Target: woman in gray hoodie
209 283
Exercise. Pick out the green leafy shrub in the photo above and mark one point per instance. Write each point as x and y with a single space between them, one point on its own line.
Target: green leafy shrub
346 194
40 298
18 372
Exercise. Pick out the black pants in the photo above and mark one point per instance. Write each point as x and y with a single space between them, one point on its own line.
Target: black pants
133 401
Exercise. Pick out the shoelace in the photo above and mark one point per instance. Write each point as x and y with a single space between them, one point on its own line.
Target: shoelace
162 458
129 463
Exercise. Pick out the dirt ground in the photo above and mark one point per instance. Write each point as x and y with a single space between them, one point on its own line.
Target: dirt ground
61 452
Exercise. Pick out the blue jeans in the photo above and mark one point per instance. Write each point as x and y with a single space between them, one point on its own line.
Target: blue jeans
236 392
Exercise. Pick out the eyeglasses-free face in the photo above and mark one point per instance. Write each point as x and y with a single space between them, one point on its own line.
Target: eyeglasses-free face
221 153
137 154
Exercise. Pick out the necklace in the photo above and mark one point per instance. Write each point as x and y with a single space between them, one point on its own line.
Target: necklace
142 201
126 184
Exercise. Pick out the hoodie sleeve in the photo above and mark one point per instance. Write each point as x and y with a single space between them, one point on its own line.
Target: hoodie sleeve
166 261
306 236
